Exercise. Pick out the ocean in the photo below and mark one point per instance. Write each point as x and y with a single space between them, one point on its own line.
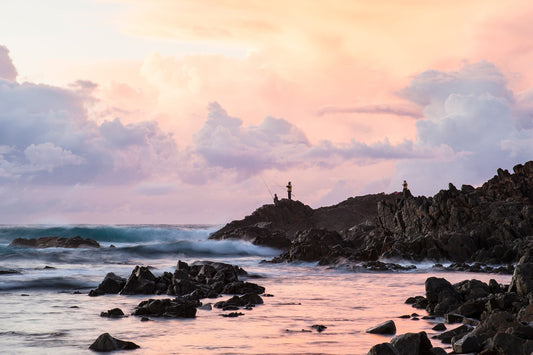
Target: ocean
45 307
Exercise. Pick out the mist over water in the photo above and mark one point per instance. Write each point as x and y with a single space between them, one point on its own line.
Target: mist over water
42 312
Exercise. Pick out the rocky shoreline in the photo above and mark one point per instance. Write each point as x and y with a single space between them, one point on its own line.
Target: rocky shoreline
494 319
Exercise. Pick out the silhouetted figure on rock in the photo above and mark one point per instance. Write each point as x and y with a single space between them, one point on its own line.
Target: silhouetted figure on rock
406 192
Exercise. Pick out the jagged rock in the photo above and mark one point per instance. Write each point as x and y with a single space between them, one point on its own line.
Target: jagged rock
383 349
492 224
141 281
496 322
412 343
55 242
111 284
312 245
387 327
106 342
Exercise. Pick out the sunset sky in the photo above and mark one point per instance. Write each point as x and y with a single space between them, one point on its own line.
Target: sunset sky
195 111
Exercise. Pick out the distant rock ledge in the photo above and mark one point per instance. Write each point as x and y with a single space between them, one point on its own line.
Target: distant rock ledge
55 242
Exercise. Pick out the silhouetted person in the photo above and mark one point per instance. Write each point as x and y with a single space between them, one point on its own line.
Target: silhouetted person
289 190
276 200
406 192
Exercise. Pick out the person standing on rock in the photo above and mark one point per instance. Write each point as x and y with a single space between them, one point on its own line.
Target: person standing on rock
276 200
289 190
404 186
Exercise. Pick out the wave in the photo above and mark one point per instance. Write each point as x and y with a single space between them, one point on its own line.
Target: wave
109 233
47 283
125 253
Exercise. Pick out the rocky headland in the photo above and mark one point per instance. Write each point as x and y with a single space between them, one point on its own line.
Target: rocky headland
490 224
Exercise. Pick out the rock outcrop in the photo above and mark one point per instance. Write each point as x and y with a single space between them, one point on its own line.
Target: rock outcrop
490 224
55 242
203 279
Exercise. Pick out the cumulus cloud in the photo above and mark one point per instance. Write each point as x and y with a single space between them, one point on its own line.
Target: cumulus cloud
223 141
472 113
7 69
46 137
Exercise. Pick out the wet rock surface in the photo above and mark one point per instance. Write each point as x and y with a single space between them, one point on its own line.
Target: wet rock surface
189 283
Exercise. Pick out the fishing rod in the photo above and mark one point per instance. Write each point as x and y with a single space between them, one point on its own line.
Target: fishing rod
268 188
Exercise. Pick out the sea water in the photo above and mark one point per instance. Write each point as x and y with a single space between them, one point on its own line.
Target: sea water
45 309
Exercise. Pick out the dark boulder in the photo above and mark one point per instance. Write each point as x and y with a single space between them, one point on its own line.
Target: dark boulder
55 242
383 349
496 322
504 344
141 281
168 308
441 295
236 301
387 327
466 344
106 342
111 284
522 281
412 344
113 313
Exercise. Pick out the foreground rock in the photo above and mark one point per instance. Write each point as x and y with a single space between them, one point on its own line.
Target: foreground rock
492 224
387 327
189 283
407 344
199 280
106 342
496 319
55 242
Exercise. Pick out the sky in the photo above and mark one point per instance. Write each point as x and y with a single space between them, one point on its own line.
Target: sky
198 111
